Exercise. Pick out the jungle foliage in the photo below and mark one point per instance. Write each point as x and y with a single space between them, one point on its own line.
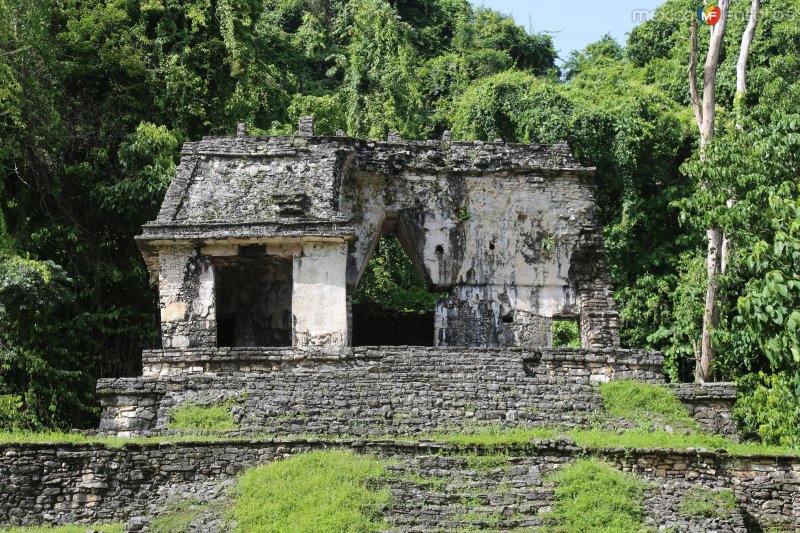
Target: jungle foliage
97 97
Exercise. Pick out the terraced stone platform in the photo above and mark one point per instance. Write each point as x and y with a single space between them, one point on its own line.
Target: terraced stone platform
435 486
388 390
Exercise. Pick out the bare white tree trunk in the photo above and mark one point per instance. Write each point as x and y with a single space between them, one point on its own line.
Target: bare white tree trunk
744 50
719 244
705 114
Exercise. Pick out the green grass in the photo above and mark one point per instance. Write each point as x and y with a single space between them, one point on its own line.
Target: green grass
331 491
592 496
178 515
648 405
216 418
496 437
104 528
56 437
700 502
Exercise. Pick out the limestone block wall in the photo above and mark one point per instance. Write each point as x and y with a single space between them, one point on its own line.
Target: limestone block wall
362 391
63 483
186 295
709 404
503 244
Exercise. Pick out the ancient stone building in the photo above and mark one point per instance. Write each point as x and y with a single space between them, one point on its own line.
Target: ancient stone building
262 241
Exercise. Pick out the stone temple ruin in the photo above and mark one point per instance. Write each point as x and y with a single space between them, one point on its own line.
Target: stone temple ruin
261 242
257 252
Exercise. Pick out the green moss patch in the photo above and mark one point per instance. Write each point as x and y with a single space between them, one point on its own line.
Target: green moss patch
332 491
700 502
216 418
648 405
592 496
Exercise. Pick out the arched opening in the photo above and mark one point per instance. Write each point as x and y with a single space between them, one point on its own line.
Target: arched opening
392 305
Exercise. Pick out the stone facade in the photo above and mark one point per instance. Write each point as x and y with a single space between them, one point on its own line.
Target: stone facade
372 390
507 231
387 391
90 483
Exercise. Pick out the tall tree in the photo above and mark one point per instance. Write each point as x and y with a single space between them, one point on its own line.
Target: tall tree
705 114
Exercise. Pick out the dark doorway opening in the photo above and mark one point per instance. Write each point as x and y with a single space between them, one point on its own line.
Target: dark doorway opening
253 297
392 305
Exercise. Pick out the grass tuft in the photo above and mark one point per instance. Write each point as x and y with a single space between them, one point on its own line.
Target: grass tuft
331 491
648 405
592 496
216 418
700 502
178 515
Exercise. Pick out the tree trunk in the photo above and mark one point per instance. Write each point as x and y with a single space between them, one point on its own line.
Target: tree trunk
711 314
706 115
744 51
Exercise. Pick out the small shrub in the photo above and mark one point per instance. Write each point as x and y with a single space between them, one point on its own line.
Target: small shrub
592 496
646 404
566 334
332 491
769 405
700 502
217 418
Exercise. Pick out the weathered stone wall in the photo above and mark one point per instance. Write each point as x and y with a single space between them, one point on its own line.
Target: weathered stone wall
767 487
507 230
319 300
405 390
89 483
186 293
709 404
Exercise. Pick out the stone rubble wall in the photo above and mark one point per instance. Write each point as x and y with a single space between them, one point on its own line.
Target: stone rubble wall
69 483
360 391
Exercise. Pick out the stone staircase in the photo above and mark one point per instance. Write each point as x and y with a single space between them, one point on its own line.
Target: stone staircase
468 493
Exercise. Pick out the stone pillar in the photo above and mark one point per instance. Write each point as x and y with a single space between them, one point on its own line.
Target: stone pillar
186 295
319 296
306 126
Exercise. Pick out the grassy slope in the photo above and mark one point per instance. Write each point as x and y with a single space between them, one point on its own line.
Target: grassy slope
592 496
331 491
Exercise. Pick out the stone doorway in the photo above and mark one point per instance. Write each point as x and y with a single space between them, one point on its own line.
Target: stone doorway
253 296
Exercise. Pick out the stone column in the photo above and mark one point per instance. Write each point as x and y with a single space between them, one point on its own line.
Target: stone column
319 296
186 294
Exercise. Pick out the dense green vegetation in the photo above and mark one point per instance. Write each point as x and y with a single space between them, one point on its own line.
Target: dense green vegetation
96 98
328 491
592 496
392 282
